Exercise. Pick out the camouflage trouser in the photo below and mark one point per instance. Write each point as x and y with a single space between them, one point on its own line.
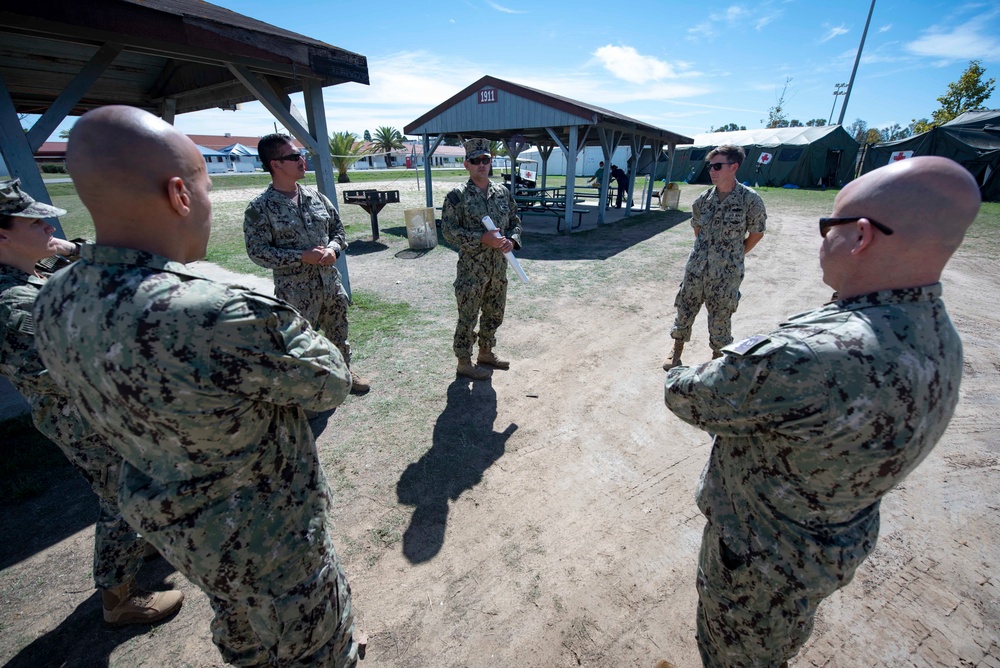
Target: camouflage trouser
487 295
117 547
747 617
720 300
325 307
310 624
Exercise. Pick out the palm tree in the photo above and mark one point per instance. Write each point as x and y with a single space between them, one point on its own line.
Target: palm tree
387 139
345 150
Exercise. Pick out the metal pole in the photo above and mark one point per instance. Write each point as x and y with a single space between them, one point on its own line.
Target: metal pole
836 92
857 59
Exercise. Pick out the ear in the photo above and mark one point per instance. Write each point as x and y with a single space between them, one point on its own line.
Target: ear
178 196
866 236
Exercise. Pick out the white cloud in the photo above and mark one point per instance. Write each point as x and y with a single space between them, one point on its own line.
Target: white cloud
834 32
628 64
885 28
505 10
967 41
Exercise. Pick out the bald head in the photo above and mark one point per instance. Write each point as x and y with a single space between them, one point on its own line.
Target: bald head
928 202
136 174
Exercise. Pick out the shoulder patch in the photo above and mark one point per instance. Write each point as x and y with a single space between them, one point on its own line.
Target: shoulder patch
754 345
453 198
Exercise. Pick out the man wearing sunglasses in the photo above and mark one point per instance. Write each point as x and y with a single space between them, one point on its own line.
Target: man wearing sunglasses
481 283
728 221
296 231
815 422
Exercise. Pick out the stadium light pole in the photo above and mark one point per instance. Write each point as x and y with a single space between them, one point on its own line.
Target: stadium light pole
850 84
836 91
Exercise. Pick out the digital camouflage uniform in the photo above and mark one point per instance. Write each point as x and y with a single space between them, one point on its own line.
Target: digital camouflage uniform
203 387
277 230
481 283
714 268
813 424
117 547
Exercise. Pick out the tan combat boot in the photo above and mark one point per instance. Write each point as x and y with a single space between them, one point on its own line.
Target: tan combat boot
466 368
359 384
675 356
663 663
489 358
126 604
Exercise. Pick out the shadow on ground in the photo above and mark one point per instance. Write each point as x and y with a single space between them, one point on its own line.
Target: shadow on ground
602 242
83 640
464 446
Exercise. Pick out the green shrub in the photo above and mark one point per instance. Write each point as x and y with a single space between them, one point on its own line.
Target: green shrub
53 168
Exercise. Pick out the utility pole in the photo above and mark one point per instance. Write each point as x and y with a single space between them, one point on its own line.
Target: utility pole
836 91
850 85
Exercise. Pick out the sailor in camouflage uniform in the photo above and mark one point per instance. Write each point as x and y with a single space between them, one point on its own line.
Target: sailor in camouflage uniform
202 387
815 422
27 245
481 284
728 221
297 232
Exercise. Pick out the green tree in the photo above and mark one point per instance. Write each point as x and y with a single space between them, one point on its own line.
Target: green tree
367 136
497 148
918 126
386 140
795 123
64 134
729 127
969 92
777 117
894 132
816 123
345 150
873 136
859 130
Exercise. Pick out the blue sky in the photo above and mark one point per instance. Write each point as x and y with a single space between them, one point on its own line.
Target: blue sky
683 66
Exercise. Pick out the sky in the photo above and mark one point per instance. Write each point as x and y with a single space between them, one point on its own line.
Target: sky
682 66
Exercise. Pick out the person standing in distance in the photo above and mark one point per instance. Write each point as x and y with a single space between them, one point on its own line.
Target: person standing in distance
296 231
203 388
815 422
29 254
728 221
481 284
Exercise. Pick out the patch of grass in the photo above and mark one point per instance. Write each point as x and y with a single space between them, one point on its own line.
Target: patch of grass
30 461
375 321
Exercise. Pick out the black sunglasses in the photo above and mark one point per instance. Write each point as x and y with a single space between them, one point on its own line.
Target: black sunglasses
717 166
291 156
481 160
826 223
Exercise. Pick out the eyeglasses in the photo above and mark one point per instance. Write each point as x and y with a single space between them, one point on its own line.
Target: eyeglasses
717 166
826 223
290 157
481 160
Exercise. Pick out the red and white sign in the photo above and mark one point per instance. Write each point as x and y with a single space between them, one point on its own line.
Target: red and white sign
764 159
900 155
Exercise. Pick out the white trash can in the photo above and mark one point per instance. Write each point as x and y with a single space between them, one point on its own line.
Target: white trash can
670 196
421 230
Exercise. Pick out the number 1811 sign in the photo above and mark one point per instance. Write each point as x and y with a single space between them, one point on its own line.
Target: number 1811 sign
487 95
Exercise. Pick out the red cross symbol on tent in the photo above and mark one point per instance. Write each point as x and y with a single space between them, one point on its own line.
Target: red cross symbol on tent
764 158
900 155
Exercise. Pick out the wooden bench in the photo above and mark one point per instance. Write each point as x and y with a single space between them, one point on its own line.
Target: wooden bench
559 213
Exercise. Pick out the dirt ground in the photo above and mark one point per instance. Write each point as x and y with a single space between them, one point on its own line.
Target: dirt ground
546 517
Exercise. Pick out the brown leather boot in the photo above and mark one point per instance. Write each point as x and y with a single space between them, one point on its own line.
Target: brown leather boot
489 358
466 368
359 384
126 604
675 356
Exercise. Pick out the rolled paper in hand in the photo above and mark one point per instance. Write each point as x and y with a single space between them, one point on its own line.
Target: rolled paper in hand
511 260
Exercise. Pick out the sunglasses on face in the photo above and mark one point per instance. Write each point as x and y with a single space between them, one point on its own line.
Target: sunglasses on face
291 157
481 160
826 223
717 166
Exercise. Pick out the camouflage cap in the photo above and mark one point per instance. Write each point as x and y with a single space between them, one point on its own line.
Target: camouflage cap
15 202
476 147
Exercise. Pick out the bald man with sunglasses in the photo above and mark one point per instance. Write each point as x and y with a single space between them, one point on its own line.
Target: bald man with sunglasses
728 221
815 422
